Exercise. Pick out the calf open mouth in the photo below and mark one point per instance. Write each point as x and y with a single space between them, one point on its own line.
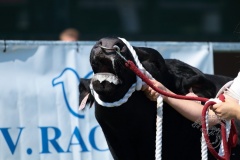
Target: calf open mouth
105 76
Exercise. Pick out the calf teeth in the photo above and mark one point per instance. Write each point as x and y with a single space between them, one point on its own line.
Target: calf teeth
106 77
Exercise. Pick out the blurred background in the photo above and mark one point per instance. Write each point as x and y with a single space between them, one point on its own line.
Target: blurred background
138 20
135 20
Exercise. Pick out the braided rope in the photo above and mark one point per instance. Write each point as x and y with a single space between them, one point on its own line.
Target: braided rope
116 103
158 149
204 148
138 63
228 123
228 127
158 140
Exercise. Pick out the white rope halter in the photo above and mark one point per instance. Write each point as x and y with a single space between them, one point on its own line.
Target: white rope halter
137 86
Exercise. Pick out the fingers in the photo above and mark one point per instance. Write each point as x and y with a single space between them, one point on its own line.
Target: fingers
191 94
155 96
144 87
151 94
151 98
215 106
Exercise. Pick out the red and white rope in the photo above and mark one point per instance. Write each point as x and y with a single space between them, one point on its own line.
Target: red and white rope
204 148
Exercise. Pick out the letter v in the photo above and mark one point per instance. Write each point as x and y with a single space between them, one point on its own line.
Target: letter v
9 140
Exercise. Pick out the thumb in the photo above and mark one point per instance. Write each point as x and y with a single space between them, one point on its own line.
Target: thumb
214 107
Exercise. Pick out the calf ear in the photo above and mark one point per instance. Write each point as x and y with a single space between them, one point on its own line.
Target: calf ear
200 85
84 90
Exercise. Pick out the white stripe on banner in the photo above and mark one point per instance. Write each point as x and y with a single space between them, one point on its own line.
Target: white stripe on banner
39 99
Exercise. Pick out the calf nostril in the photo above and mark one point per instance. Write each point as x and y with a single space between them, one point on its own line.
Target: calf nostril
117 49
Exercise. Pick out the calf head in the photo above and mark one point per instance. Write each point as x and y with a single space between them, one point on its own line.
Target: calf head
110 80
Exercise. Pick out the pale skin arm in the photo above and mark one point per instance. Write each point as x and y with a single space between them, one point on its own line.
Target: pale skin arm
230 109
189 109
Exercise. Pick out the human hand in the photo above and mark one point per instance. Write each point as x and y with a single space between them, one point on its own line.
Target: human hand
227 110
151 93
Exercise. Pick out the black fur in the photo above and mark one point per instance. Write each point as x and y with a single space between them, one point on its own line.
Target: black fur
130 129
